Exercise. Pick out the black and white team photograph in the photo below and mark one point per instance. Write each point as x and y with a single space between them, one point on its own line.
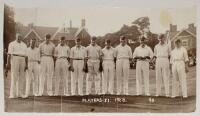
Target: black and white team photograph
111 56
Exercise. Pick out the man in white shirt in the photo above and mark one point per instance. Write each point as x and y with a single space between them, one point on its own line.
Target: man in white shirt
77 58
142 54
123 55
16 58
33 60
47 65
162 53
62 54
108 55
93 52
179 65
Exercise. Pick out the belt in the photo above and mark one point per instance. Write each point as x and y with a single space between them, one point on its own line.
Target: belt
108 59
18 55
93 58
78 59
47 55
33 60
62 57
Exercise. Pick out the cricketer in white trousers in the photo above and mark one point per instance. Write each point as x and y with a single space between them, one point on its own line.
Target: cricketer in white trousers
178 58
77 77
47 71
61 73
33 77
108 55
77 54
123 54
18 80
142 68
162 73
122 73
33 55
17 60
46 68
93 76
62 52
162 53
93 53
108 76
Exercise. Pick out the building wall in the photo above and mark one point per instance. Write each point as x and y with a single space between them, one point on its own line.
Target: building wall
188 41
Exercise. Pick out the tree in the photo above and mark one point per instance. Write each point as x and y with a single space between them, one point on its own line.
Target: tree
139 27
9 28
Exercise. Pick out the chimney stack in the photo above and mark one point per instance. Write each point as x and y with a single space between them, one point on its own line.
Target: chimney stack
173 28
83 23
70 23
191 26
30 25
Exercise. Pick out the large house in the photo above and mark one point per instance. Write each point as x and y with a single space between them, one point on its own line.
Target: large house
39 32
187 36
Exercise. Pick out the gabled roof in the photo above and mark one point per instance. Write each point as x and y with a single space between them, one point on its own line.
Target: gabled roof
33 30
42 31
177 34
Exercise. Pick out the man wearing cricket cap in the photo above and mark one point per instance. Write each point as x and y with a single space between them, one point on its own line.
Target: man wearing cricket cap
142 54
93 52
179 65
77 60
162 53
33 60
62 54
123 55
47 65
16 58
108 55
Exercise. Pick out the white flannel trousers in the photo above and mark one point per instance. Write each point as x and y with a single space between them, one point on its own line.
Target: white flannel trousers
122 73
108 76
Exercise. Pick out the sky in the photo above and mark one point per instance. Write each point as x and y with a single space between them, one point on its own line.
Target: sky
105 16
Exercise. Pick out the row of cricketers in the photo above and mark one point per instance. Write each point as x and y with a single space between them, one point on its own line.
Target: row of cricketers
78 60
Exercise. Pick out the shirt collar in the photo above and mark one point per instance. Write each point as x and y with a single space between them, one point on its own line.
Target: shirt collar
144 46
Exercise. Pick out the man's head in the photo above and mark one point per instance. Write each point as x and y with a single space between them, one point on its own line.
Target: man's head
62 41
178 43
93 40
123 40
162 38
47 38
108 43
33 42
78 41
142 40
18 37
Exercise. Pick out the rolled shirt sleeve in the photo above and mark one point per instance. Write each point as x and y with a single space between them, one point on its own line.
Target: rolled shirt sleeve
185 55
10 48
155 50
151 53
130 52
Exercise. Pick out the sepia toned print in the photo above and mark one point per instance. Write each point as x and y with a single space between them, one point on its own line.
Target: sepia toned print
108 59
